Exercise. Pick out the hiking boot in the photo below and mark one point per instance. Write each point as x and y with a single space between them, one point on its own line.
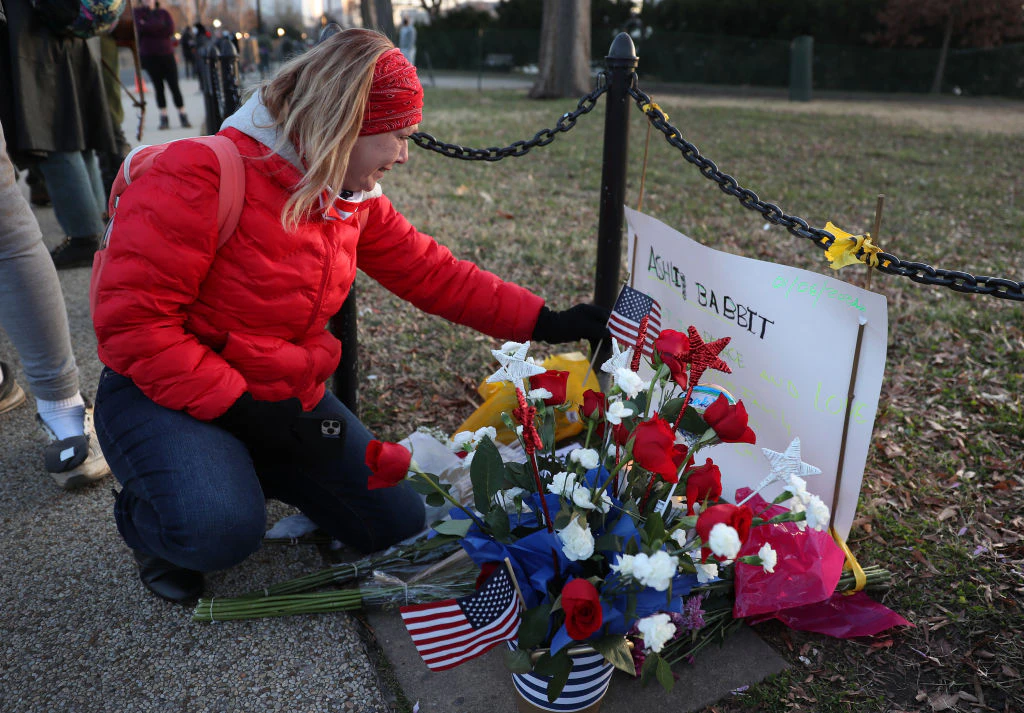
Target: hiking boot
184 120
75 252
77 460
164 123
11 394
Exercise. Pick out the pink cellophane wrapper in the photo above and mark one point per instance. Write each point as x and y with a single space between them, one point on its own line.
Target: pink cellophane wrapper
842 616
808 568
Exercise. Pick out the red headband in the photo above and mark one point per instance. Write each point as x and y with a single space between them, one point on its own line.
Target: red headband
396 95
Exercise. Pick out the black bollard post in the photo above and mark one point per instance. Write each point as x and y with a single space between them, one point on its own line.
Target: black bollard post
209 83
621 63
230 81
344 324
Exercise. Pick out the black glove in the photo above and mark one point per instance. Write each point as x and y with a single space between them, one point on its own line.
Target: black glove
584 321
282 429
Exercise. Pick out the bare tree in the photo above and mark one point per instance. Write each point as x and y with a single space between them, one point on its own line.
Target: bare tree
564 50
433 8
971 23
378 15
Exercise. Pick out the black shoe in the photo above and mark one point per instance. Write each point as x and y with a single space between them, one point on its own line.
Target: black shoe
164 123
169 581
75 252
184 120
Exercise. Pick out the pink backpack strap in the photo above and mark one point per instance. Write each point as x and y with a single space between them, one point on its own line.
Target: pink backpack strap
231 196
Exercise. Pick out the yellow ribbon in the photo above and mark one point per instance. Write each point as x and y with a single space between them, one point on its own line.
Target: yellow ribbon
860 579
650 106
849 249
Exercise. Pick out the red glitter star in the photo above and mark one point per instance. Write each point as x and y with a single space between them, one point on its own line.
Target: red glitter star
705 356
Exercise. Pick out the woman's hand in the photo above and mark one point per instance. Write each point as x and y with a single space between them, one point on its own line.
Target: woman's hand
583 321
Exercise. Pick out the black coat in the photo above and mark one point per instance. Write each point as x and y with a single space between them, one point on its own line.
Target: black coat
51 89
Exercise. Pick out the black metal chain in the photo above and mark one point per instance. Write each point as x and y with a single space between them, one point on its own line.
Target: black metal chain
520 148
887 262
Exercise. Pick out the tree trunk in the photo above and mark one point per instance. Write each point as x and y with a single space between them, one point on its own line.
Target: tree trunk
940 70
564 50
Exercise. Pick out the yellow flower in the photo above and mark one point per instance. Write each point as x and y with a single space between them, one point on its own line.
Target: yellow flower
647 108
850 249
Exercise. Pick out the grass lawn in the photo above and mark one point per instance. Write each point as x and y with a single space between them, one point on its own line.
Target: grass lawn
941 505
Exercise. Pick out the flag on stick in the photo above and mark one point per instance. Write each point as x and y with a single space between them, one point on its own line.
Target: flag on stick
453 631
631 306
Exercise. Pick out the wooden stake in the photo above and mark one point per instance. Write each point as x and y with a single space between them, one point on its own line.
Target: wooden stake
846 419
876 230
515 582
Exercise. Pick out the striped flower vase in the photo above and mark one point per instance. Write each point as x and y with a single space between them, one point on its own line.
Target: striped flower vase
588 682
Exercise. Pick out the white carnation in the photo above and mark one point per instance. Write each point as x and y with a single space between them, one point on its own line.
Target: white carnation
817 513
797 486
706 572
679 536
624 565
479 434
577 541
616 412
768 556
657 631
586 457
562 483
724 541
655 571
539 394
506 499
460 439
511 347
583 497
629 382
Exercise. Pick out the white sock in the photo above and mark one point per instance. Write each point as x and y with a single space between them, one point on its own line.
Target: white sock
66 417
1 376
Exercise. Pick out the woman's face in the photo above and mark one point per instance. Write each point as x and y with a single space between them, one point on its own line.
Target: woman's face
373 155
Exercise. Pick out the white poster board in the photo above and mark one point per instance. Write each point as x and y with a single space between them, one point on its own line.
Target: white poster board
794 335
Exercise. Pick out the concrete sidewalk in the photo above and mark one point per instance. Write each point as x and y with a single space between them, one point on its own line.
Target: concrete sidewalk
79 633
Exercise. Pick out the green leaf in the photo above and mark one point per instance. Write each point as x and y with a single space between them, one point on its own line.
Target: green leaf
459 528
558 667
664 674
421 483
487 473
671 409
435 499
533 628
547 431
518 660
654 530
497 521
608 542
615 648
692 421
520 475
563 518
649 668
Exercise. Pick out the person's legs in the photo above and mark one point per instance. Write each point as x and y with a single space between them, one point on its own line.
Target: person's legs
169 71
76 188
189 494
153 68
335 496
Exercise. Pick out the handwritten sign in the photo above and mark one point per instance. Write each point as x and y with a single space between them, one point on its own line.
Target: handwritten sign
793 338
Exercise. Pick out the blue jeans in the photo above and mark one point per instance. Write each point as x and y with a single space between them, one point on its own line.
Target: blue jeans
32 310
192 494
76 188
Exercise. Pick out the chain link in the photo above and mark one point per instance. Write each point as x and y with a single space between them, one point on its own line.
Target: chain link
890 264
519 148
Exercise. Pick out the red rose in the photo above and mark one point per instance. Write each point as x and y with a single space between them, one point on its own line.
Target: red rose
486 570
594 404
620 434
729 422
653 448
553 381
703 483
738 518
674 350
389 463
582 606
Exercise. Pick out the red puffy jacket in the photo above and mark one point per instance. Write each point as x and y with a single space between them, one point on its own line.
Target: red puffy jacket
194 327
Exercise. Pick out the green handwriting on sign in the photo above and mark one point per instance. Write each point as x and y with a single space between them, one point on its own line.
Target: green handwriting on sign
823 401
815 291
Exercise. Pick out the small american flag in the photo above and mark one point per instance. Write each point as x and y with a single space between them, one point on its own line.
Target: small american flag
453 631
631 307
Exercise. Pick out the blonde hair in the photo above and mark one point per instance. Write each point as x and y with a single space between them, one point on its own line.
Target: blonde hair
318 101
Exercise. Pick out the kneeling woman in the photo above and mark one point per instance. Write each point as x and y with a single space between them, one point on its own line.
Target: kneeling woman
217 356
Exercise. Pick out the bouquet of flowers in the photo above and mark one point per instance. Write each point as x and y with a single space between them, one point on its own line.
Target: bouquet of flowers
616 546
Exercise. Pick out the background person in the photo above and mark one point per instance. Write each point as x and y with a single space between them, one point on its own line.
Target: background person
213 397
156 52
407 40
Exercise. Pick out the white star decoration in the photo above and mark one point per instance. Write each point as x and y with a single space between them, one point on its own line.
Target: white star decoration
783 466
620 359
514 367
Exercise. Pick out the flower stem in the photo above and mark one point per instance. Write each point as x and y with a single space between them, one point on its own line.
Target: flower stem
447 496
